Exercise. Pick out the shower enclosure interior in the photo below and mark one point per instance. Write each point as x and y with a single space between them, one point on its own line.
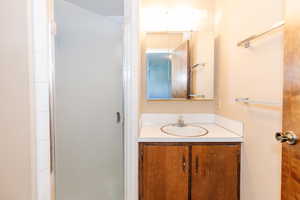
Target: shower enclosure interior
88 105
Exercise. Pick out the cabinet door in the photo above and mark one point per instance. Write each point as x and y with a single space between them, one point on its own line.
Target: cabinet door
215 172
164 172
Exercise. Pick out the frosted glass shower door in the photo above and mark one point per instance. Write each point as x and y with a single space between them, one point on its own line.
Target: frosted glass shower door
88 96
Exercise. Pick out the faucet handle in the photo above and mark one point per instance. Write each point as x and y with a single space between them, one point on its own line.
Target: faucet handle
180 121
180 118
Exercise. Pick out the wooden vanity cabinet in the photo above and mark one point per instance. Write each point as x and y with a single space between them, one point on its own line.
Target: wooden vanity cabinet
164 172
189 171
215 172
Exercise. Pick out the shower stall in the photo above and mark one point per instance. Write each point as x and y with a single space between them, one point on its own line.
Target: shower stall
87 103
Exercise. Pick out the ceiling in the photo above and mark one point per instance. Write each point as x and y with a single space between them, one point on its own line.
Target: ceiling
102 7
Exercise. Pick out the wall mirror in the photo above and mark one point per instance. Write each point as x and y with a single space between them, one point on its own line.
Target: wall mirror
178 49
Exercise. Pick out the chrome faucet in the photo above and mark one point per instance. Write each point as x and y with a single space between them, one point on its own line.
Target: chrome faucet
180 122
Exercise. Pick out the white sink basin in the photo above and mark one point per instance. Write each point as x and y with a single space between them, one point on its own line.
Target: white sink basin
188 130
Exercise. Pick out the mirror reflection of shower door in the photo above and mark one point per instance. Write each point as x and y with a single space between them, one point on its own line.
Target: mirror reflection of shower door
159 69
88 95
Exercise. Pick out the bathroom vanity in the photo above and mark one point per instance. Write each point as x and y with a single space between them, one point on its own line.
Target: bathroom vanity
183 156
173 167
182 171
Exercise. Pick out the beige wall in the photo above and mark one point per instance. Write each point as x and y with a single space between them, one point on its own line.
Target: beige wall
256 73
177 106
16 169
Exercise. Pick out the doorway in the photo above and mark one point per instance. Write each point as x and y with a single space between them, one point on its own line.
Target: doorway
88 142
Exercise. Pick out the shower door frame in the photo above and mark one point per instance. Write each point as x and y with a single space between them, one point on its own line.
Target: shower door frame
130 96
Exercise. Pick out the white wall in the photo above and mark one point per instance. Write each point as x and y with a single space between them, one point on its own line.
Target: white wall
17 180
256 73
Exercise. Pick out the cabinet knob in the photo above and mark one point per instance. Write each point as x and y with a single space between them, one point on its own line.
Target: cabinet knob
183 163
197 164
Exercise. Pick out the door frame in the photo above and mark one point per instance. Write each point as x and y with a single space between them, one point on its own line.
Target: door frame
131 76
131 64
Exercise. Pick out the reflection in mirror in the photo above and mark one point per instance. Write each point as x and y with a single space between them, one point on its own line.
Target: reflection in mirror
159 75
167 66
202 65
180 71
178 50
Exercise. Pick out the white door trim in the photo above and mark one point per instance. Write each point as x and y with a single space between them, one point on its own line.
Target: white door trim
131 96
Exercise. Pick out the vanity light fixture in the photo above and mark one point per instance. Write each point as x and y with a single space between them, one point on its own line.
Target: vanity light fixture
178 19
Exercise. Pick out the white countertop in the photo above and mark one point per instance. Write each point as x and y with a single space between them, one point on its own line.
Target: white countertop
216 133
